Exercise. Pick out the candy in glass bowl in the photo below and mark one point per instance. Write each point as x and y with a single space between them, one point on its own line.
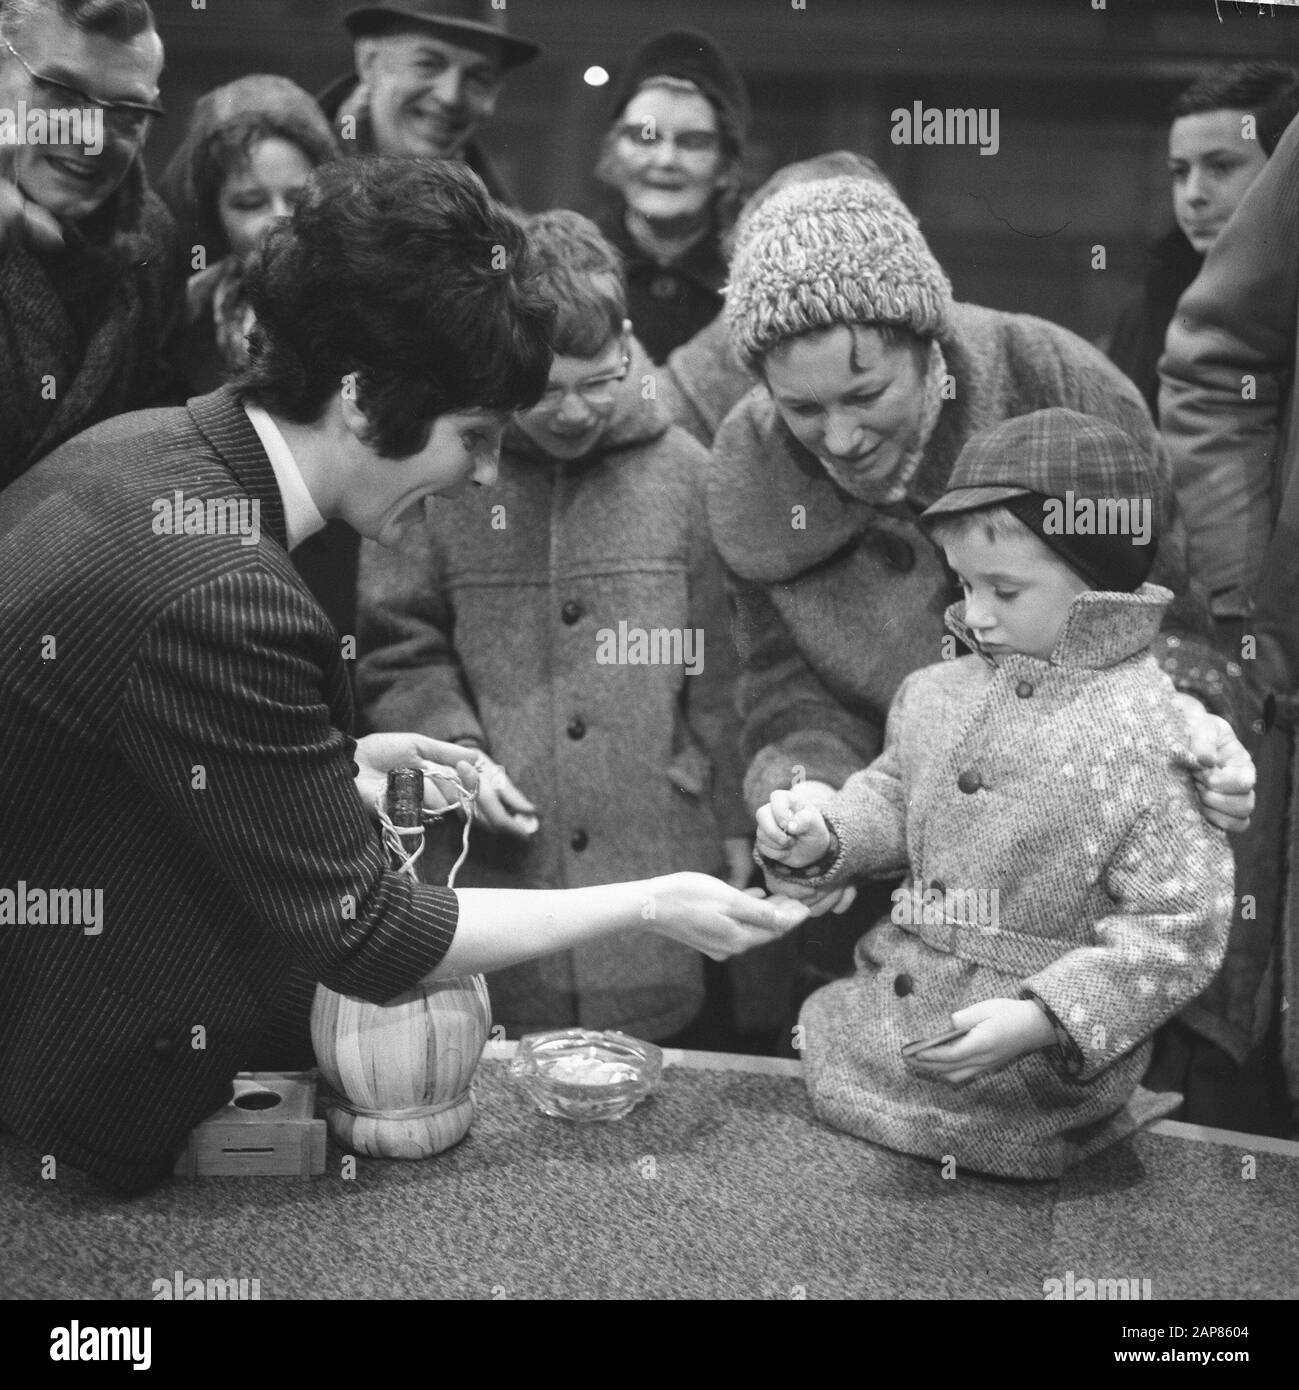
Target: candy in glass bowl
578 1074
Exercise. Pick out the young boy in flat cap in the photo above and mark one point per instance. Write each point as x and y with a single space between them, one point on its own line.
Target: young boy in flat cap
1065 895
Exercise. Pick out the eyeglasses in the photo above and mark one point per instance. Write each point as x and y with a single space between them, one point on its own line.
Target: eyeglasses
128 120
595 392
645 137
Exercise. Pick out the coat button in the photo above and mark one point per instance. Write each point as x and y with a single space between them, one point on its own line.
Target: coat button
571 612
576 728
936 885
969 781
898 555
903 985
579 840
164 1048
1024 689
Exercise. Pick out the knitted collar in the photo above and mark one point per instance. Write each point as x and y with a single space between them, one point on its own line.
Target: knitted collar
635 420
1101 629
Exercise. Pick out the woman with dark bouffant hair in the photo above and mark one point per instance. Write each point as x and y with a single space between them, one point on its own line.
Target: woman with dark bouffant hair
249 150
678 120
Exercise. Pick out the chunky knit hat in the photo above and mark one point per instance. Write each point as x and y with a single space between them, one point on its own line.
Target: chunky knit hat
836 251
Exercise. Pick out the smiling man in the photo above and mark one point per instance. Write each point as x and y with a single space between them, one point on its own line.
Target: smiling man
91 279
428 75
174 709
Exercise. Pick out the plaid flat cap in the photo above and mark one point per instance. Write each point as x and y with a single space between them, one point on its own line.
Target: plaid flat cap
1054 452
1082 485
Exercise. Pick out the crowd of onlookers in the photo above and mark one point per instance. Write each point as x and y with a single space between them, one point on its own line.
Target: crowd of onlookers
815 589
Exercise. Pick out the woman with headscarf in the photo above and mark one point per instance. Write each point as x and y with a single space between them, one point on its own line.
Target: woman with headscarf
679 117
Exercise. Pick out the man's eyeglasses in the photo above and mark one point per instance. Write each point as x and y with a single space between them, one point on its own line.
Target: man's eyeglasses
645 137
595 392
129 120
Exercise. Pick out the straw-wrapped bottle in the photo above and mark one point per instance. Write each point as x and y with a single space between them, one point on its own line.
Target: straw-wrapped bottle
400 1072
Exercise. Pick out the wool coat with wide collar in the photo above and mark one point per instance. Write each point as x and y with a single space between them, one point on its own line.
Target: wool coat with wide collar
1055 850
501 623
838 600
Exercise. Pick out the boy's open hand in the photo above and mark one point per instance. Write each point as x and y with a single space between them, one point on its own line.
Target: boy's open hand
1000 1031
791 830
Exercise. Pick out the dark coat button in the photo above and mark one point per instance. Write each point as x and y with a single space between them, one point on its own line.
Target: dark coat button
164 1048
1024 689
969 781
936 885
576 728
571 612
579 840
898 555
903 985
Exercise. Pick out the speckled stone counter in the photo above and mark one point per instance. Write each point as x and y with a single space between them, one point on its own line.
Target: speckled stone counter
722 1186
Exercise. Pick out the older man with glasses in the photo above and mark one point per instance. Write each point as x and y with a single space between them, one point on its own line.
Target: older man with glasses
91 276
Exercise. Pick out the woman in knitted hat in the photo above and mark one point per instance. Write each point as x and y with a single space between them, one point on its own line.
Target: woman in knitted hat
679 117
702 379
874 379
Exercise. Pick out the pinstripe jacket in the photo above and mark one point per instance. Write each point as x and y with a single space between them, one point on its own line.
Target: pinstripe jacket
173 745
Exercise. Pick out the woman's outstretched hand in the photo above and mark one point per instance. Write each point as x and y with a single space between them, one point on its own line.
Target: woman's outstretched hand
701 911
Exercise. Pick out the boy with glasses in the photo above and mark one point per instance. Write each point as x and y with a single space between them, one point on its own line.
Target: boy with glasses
91 277
571 626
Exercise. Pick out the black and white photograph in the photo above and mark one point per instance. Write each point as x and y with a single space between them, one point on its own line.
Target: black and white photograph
649 652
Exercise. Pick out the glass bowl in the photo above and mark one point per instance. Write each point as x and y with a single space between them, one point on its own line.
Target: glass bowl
578 1074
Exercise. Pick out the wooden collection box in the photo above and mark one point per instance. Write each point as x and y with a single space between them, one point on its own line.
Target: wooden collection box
268 1129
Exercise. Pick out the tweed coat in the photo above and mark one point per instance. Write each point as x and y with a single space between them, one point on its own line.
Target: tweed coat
837 601
1063 788
486 628
174 717
90 331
